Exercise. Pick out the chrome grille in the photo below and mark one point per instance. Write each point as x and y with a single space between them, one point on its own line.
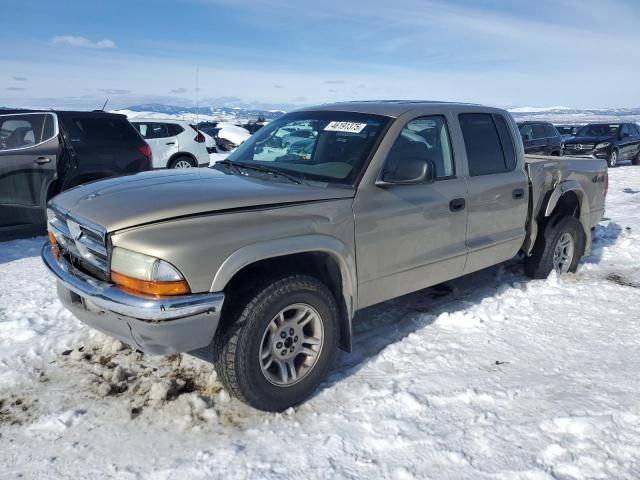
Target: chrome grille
83 242
579 146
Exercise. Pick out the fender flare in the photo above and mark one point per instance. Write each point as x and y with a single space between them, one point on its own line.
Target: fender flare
249 254
585 210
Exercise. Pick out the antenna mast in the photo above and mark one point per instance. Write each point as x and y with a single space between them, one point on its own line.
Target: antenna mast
197 104
105 104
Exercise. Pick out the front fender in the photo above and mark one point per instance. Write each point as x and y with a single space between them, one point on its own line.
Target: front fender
249 254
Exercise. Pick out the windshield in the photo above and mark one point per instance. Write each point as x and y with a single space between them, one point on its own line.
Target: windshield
599 130
330 147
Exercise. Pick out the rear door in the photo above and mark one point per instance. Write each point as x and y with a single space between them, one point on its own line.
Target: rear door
498 190
163 143
29 148
627 143
635 134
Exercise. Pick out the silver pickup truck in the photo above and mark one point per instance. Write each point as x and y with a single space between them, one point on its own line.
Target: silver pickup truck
265 258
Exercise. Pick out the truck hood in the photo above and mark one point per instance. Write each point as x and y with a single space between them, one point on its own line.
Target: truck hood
149 197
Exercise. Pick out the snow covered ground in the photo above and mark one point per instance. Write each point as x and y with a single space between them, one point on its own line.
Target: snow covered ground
495 377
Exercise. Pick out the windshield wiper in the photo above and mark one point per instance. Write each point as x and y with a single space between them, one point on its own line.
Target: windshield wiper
230 164
264 169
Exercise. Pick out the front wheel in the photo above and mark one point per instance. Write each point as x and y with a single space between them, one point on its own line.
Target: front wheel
612 161
559 247
281 345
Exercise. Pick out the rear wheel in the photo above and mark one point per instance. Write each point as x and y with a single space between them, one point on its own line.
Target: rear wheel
558 247
636 159
281 345
612 161
182 162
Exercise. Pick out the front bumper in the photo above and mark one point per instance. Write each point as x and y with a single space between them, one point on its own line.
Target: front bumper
155 325
601 154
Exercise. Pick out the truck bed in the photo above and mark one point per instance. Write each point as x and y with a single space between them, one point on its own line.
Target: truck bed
550 176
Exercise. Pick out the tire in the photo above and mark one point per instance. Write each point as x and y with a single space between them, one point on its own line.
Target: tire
612 161
636 159
182 162
241 347
541 262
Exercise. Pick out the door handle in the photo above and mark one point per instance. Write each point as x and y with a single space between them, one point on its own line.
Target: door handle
518 193
42 160
457 204
170 143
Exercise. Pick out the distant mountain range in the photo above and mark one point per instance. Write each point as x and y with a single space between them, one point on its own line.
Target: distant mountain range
224 112
553 114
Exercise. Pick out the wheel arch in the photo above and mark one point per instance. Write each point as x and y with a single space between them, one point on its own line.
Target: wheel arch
569 198
320 255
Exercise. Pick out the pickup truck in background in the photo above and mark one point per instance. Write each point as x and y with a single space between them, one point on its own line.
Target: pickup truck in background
264 259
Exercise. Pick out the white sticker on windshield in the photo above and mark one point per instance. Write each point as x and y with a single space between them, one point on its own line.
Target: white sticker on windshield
350 127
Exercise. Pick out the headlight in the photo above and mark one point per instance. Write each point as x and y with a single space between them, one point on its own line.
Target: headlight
602 145
143 274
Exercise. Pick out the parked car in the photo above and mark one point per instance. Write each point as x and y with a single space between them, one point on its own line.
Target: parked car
175 143
226 135
260 264
611 141
45 152
540 138
296 136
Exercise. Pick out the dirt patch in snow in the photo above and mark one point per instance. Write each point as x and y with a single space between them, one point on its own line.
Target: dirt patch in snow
621 280
15 410
184 388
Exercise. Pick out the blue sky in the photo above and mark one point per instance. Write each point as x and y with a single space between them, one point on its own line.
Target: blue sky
577 53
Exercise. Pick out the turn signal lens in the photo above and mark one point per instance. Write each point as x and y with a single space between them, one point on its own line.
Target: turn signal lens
151 288
55 249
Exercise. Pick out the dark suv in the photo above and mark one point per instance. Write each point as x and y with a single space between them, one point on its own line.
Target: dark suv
540 138
610 141
45 152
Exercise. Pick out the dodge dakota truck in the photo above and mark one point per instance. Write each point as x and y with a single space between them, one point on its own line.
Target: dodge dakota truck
263 259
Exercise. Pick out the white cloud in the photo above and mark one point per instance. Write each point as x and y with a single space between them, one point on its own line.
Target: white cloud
82 42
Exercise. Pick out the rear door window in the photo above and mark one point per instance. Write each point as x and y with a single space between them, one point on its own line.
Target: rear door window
103 129
482 143
506 139
174 129
152 130
25 130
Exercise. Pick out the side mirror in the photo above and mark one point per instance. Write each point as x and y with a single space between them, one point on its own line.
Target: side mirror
410 171
525 138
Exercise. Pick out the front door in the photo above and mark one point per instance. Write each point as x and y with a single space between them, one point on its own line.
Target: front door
409 237
28 165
